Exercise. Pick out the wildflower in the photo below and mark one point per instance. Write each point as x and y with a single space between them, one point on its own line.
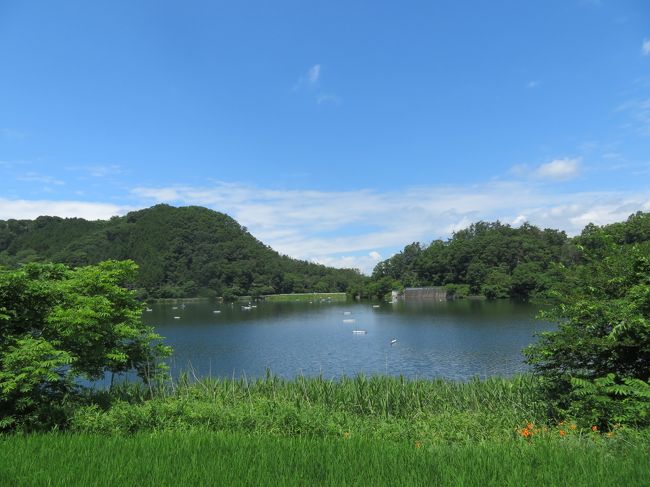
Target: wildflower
610 434
346 434
418 444
594 428
573 426
526 433
530 426
562 432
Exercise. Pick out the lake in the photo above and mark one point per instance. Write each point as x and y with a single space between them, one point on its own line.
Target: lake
454 340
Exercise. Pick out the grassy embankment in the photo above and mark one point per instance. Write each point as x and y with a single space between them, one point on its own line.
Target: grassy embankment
361 431
277 298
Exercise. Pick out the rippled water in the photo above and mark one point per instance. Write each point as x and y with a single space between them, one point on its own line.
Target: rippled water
455 340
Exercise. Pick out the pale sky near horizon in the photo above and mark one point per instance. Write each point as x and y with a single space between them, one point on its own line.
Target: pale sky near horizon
335 131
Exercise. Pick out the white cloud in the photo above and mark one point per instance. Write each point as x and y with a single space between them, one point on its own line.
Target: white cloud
29 209
357 228
309 79
645 47
533 84
313 74
559 169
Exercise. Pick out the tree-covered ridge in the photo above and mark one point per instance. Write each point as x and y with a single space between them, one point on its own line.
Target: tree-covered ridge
181 252
497 260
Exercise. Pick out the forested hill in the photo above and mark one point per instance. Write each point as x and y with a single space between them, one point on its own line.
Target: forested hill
497 260
182 252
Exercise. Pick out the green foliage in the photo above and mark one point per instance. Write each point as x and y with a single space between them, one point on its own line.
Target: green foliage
605 401
493 259
181 252
602 307
458 291
58 325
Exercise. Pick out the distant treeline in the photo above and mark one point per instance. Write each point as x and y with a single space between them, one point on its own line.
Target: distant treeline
193 251
498 261
181 252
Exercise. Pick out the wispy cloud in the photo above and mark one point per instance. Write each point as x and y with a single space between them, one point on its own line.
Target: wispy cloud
320 225
98 170
34 177
313 74
555 170
559 169
645 47
309 82
533 84
30 209
323 98
639 112
309 79
11 134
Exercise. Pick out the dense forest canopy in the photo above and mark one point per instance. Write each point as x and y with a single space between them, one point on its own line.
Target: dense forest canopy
498 261
194 251
181 252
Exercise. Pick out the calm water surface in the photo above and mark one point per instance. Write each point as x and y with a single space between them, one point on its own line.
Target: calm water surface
455 340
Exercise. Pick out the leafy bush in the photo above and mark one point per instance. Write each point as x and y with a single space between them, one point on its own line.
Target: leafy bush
605 401
602 345
58 325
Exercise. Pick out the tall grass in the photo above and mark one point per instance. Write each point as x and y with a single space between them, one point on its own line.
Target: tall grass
201 458
378 407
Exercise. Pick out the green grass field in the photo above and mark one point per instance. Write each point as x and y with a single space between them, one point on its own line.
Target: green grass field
201 458
315 297
313 431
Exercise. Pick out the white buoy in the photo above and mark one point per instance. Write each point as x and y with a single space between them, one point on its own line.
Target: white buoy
177 317
393 341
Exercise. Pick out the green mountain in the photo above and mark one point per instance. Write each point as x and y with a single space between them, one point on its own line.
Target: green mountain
182 252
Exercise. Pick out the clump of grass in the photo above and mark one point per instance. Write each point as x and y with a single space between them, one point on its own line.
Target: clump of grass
374 407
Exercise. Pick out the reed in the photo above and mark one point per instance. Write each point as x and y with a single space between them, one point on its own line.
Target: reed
391 408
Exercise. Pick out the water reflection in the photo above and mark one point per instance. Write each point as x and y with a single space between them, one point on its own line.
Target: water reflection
455 340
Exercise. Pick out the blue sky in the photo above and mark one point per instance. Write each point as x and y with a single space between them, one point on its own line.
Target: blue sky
335 131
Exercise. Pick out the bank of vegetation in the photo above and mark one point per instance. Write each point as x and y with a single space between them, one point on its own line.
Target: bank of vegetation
181 252
496 260
192 251
584 409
